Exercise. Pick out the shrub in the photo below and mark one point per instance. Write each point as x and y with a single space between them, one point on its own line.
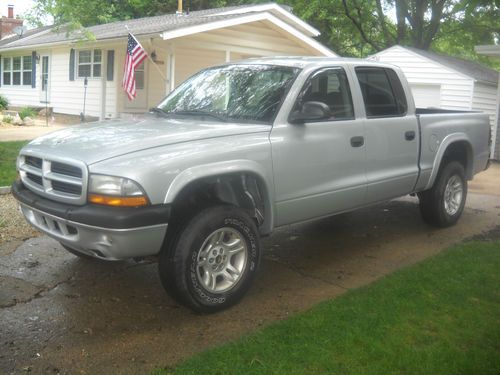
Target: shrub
27 112
4 102
8 119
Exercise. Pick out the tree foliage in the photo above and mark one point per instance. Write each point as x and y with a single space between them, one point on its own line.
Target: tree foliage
349 27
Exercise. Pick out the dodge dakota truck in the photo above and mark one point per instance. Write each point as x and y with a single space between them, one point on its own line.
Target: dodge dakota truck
238 150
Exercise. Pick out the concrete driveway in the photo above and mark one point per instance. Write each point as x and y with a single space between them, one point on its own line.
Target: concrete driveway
60 314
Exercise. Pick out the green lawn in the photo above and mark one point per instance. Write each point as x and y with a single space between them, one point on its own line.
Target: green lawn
441 316
8 154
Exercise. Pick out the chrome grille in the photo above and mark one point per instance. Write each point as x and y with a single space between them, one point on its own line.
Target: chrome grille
36 179
66 188
34 162
55 178
66 169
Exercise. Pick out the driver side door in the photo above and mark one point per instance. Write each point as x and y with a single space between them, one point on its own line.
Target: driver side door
319 166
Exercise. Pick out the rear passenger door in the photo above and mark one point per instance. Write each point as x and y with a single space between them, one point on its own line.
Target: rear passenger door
392 139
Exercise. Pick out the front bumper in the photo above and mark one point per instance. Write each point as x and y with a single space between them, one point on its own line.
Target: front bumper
110 233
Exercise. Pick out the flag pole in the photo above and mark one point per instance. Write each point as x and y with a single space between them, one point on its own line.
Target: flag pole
149 57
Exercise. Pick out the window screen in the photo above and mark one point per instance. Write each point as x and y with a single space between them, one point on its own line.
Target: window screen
380 88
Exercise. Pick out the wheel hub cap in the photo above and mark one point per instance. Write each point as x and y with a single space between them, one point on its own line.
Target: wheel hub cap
221 260
453 195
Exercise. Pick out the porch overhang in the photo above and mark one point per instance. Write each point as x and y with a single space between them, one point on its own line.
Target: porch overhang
246 19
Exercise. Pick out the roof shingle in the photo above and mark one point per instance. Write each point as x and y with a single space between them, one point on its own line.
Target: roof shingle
139 26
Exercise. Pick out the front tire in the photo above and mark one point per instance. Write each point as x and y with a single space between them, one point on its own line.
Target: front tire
213 260
444 203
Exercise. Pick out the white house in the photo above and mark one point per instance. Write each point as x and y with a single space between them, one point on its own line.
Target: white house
443 81
493 50
48 65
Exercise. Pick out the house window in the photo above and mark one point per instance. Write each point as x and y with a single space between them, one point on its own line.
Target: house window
89 63
7 71
17 70
139 77
27 66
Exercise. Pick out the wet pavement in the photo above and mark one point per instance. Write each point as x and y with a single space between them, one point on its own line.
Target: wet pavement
61 314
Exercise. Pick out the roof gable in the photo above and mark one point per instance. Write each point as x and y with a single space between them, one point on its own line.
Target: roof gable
468 68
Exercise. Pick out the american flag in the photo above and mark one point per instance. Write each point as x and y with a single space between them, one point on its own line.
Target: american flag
135 56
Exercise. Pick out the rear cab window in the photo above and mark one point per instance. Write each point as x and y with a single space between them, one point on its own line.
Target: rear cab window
382 92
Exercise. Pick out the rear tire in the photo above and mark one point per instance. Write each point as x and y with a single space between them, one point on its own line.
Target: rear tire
212 261
443 204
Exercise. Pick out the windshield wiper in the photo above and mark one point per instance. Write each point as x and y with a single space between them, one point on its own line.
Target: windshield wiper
195 112
159 111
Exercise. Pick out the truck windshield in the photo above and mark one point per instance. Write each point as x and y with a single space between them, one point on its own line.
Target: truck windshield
240 93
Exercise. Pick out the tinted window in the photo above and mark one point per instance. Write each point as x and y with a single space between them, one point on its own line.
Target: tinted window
397 88
331 87
380 88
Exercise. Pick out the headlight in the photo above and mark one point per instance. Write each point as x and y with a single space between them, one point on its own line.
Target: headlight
116 191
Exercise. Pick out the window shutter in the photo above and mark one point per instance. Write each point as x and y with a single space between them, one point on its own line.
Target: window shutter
72 64
110 65
1 65
33 69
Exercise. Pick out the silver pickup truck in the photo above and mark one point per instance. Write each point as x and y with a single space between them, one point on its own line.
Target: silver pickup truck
238 150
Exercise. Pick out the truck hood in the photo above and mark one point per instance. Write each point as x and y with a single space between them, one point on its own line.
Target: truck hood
98 141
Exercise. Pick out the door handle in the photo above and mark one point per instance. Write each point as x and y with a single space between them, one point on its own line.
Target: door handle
357 141
410 135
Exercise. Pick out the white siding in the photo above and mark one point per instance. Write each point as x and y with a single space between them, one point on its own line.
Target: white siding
426 95
20 96
485 100
67 96
456 88
190 61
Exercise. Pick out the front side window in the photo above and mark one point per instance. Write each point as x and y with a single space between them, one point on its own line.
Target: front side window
17 70
382 92
242 93
89 63
331 87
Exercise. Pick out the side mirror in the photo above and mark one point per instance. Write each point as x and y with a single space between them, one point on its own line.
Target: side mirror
310 111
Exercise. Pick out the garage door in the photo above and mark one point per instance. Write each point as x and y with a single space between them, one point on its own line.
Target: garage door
426 95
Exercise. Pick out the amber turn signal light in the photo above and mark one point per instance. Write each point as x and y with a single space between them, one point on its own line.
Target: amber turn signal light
109 200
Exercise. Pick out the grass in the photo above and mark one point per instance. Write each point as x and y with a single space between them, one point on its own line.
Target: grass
441 316
8 155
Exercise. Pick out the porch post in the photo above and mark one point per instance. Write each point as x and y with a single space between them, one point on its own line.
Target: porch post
104 66
170 70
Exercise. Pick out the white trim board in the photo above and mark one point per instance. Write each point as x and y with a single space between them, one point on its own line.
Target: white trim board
275 7
265 16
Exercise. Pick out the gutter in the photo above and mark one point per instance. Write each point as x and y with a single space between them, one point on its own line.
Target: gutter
76 41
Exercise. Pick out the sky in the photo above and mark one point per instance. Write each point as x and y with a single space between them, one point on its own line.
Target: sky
20 6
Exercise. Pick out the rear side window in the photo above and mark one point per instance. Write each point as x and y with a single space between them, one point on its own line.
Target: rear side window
329 86
382 92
